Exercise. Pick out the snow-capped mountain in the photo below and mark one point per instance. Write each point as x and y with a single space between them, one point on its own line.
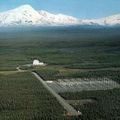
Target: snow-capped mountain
26 15
21 15
111 20
108 21
58 18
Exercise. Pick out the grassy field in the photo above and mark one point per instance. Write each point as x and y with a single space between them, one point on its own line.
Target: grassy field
69 53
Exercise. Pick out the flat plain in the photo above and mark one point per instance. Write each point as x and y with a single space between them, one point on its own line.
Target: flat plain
70 53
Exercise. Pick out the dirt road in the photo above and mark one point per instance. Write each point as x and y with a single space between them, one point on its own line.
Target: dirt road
71 111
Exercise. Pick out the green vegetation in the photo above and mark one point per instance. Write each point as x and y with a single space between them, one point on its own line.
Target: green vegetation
71 48
22 97
105 106
70 53
54 73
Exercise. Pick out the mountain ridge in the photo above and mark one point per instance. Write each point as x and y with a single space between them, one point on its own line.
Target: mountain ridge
26 15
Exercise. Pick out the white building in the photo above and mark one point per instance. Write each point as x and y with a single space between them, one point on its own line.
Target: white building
38 63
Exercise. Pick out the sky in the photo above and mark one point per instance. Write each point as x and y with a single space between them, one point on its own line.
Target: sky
87 9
